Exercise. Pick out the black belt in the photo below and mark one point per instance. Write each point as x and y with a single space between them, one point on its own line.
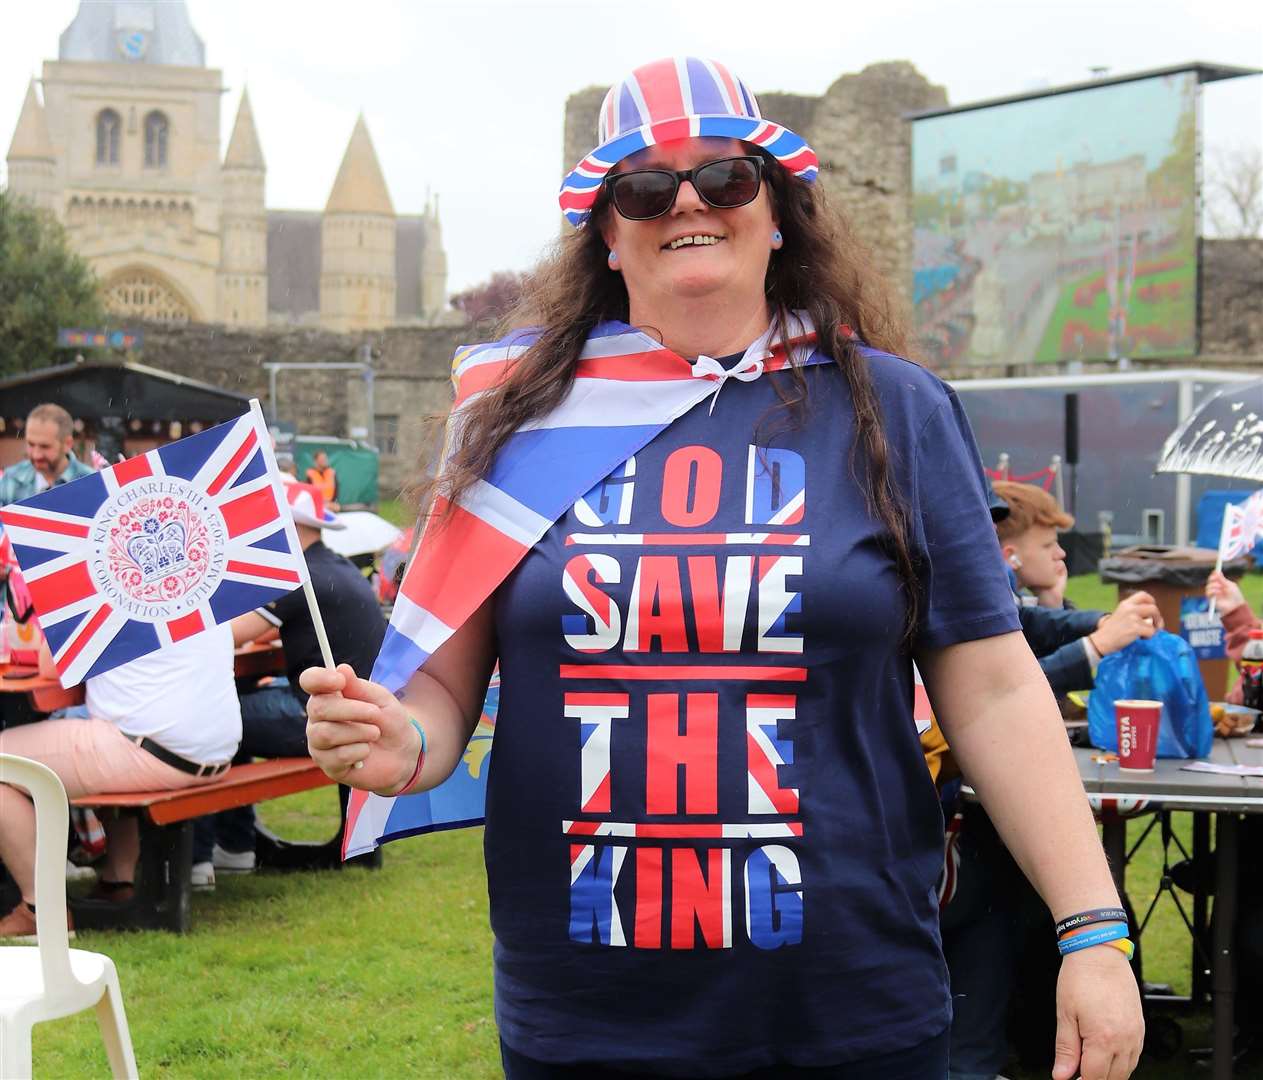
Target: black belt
175 761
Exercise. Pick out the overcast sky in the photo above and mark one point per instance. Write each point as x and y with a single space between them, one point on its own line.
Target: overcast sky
466 99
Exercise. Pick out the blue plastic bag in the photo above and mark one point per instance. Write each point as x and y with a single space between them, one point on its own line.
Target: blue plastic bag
1161 668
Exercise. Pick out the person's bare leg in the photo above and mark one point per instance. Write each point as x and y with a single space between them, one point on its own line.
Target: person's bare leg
17 838
122 849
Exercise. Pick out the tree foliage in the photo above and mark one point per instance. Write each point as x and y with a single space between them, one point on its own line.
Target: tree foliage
43 285
493 299
1234 192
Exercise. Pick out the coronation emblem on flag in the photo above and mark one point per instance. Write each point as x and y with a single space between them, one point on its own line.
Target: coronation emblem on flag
158 548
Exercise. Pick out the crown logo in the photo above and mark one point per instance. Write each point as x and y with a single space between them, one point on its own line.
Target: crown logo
158 552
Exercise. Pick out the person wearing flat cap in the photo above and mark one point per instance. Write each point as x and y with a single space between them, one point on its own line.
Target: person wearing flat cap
705 517
274 717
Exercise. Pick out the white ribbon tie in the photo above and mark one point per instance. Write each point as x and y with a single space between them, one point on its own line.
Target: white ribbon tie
747 369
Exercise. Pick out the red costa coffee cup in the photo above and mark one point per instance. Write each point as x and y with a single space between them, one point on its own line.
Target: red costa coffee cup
1138 723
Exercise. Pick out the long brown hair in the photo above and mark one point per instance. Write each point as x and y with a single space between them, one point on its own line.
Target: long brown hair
821 268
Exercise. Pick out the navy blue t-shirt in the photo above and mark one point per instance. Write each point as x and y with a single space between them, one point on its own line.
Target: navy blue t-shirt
712 841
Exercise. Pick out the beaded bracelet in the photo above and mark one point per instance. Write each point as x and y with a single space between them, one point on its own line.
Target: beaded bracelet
420 757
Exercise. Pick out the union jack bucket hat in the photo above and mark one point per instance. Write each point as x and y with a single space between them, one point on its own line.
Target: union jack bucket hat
678 98
307 505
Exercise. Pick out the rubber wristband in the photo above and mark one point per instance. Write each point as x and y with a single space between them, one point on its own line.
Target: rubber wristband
420 757
1125 946
1096 915
1090 928
1086 941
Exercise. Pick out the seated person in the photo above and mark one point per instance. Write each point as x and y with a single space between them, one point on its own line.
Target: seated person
1028 542
274 717
166 720
986 904
1068 643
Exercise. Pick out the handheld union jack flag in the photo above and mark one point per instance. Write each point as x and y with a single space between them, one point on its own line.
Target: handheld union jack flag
1242 527
157 548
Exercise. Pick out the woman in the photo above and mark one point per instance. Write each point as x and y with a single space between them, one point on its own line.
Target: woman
711 839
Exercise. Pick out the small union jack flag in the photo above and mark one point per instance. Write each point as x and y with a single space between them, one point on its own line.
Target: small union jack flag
157 548
1242 528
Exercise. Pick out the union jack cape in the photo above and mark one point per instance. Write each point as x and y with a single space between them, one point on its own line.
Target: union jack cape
157 548
627 388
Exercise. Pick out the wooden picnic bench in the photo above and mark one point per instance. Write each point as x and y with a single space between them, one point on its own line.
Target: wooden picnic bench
163 888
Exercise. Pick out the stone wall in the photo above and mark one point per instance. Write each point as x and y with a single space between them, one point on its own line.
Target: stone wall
865 149
411 377
1232 301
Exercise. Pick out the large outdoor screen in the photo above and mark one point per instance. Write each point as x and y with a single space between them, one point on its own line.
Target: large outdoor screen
1059 228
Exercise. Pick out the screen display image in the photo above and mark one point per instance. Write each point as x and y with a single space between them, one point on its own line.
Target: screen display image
1059 228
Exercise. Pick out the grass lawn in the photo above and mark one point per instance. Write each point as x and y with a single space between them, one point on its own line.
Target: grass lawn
367 974
352 974
398 512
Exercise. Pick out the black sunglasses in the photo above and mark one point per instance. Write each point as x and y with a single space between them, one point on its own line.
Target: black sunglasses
649 193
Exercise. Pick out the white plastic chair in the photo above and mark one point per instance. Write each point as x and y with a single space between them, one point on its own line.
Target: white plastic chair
52 980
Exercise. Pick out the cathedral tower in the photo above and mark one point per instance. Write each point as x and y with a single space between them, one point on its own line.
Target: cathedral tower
133 114
243 280
357 242
120 141
31 159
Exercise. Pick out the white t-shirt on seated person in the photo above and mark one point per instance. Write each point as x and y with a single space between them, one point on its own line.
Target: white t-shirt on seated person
182 696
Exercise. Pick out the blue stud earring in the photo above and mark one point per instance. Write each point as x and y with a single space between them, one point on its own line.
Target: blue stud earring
777 238
612 259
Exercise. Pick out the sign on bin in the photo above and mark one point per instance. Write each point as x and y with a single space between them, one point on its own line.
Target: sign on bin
1202 628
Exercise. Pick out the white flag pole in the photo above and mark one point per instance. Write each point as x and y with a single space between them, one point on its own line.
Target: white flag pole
326 653
1219 555
317 622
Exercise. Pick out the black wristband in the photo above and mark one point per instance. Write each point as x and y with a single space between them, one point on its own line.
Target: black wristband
1085 918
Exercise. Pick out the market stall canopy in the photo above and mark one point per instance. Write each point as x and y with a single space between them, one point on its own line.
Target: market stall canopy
1224 437
94 390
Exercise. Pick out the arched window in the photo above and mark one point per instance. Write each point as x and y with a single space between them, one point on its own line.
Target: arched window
156 140
139 294
108 127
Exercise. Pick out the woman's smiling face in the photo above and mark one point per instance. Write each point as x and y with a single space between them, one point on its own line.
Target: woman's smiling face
694 250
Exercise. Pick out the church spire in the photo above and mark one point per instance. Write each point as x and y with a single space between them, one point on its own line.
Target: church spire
31 141
360 187
244 151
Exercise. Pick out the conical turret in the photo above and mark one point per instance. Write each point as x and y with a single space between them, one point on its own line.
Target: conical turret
357 242
244 151
243 282
31 157
360 187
